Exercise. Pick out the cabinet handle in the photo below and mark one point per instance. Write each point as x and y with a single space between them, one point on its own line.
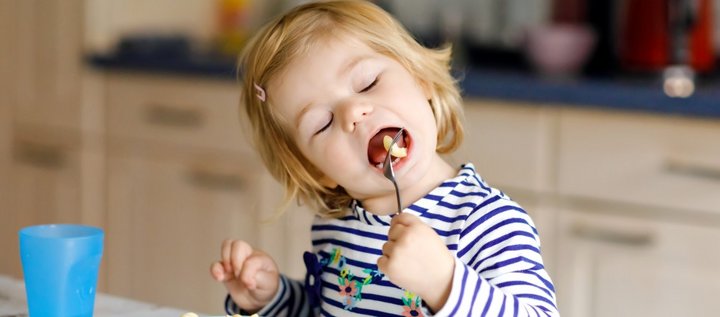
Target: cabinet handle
215 181
40 155
613 236
173 117
685 168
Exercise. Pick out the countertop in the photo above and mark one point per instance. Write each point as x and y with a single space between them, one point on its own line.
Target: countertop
12 303
638 94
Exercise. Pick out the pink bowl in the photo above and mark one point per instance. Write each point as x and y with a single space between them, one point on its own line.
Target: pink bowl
559 49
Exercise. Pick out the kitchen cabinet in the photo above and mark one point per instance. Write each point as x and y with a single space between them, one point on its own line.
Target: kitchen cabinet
639 219
652 160
45 157
7 102
182 178
48 67
187 113
45 175
511 144
625 203
617 261
168 214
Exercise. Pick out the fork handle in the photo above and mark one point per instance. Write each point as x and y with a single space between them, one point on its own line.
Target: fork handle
397 196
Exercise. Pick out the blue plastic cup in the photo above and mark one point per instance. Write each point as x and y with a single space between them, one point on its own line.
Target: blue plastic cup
60 266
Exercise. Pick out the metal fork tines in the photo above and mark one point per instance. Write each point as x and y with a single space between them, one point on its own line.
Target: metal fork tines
388 169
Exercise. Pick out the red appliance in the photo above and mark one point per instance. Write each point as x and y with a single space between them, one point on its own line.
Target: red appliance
657 33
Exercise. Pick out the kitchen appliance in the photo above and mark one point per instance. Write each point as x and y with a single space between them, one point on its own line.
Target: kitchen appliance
657 34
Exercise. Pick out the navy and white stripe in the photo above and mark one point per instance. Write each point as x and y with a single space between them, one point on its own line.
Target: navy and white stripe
498 269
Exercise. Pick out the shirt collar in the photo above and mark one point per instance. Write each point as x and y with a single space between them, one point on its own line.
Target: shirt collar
419 207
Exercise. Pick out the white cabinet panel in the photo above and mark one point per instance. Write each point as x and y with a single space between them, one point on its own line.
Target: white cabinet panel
510 144
191 112
168 215
50 172
623 265
48 63
182 177
44 186
658 161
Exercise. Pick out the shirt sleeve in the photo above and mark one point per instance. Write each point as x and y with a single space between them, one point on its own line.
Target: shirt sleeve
498 269
290 300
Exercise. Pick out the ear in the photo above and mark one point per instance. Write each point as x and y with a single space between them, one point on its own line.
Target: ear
327 182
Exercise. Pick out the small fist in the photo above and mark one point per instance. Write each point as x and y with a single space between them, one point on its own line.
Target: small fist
416 258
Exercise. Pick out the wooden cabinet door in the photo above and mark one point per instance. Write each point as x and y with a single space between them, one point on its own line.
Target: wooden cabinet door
48 63
510 144
618 265
168 214
652 160
49 173
43 187
8 98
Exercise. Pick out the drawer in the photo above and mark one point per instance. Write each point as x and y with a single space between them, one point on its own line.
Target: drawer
615 265
510 144
186 112
644 159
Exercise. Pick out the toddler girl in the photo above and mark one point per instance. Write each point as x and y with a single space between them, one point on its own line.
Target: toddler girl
322 86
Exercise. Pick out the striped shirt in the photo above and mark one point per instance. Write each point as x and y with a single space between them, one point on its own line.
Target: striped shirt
498 267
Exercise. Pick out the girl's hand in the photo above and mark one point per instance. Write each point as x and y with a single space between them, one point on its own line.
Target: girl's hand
417 259
250 276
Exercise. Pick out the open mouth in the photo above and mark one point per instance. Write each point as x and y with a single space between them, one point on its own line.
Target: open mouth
378 147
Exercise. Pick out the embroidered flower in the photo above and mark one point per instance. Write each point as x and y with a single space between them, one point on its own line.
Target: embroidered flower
411 306
373 276
336 257
412 310
313 284
351 302
345 272
347 288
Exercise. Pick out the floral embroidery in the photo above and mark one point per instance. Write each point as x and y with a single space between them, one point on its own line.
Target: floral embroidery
350 286
351 302
347 288
412 305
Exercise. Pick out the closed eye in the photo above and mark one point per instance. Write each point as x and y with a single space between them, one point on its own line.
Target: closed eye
371 85
327 125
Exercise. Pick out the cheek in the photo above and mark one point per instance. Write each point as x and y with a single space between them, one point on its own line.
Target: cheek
312 158
422 113
333 158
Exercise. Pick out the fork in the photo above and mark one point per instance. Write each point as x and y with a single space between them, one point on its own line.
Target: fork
388 169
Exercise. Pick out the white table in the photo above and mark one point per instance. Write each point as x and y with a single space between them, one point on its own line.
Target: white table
12 302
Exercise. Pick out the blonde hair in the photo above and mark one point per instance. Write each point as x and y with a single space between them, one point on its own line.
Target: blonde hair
290 36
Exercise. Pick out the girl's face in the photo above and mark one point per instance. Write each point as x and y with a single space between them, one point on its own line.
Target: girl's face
339 100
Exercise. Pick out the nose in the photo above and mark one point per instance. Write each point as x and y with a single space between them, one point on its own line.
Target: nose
352 113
